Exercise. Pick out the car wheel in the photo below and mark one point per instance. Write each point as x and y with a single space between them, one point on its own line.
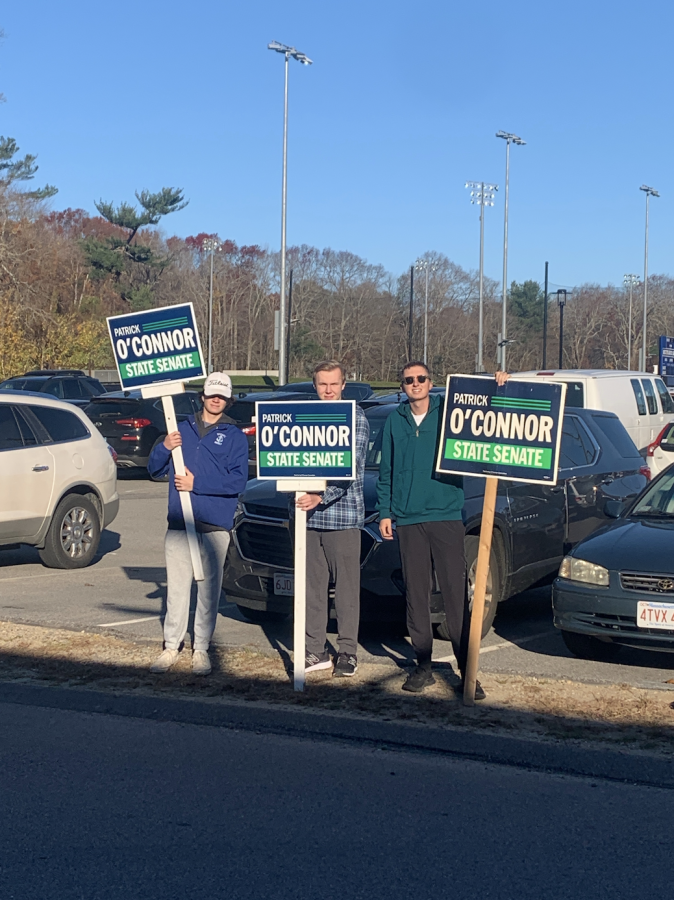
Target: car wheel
73 536
162 478
586 647
261 616
493 592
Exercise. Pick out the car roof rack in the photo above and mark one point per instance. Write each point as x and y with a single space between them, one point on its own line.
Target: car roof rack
54 372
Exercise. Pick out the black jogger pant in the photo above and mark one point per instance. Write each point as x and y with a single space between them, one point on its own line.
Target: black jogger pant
422 547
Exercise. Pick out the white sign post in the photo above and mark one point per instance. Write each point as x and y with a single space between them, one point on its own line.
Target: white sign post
157 350
300 486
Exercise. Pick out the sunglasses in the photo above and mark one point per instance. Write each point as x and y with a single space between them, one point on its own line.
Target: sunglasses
422 379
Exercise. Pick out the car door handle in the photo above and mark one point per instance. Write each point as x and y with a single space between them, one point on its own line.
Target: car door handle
557 490
40 468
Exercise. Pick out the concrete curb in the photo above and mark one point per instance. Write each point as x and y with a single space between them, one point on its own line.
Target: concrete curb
548 756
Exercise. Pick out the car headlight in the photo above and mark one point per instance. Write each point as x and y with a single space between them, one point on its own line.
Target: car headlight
582 570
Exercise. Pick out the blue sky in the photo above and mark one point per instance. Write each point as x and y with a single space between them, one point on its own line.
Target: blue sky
399 109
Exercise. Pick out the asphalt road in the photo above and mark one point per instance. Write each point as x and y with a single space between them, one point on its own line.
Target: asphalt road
111 808
123 593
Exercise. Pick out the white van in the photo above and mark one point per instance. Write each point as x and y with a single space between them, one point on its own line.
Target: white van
639 399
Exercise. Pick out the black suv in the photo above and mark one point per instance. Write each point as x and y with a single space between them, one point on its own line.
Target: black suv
534 527
132 426
71 385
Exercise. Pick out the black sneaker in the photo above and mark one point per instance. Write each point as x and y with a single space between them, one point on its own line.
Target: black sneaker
346 666
418 679
479 690
313 663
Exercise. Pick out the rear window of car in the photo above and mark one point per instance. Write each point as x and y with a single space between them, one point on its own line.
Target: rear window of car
577 448
10 436
59 424
575 395
665 396
649 390
617 436
23 384
242 412
638 396
112 408
373 458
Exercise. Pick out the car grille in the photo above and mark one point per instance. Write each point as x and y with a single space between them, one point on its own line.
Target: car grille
266 512
652 584
269 545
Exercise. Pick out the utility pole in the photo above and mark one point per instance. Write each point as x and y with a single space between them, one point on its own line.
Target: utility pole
545 320
210 245
630 281
561 303
509 139
411 322
481 195
423 265
650 192
304 59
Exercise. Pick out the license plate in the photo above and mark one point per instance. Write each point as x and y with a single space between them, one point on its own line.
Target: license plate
284 585
655 615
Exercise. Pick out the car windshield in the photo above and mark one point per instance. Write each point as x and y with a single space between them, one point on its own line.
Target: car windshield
658 499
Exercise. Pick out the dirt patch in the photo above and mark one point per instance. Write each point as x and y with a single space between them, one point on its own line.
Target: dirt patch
564 710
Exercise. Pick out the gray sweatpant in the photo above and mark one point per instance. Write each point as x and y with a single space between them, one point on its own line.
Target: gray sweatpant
179 578
333 555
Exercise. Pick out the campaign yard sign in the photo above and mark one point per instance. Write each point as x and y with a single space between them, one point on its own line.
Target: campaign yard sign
511 432
156 345
306 439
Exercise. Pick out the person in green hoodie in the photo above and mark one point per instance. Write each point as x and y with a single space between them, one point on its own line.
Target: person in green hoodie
427 508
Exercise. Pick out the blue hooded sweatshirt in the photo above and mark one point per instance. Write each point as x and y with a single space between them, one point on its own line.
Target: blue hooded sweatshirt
219 463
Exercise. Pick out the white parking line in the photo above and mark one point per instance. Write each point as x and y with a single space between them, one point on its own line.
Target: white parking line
502 646
128 622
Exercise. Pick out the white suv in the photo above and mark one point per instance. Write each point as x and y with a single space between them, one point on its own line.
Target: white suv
58 480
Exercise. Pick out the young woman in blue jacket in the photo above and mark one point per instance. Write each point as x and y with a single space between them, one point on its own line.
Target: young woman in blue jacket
216 465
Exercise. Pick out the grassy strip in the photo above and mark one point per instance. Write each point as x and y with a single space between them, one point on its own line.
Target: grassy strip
543 708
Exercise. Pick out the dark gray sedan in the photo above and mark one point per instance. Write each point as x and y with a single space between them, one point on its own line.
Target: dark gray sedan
617 586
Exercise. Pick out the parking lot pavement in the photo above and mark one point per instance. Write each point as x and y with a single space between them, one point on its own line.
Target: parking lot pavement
124 591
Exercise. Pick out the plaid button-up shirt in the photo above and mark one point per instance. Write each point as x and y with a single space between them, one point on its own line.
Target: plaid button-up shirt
342 505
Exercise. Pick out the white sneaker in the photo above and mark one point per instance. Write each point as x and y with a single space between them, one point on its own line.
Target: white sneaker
165 660
201 664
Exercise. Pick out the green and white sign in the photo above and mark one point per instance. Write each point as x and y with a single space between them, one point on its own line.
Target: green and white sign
512 432
156 345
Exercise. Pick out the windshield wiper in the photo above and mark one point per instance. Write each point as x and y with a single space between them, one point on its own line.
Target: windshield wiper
652 514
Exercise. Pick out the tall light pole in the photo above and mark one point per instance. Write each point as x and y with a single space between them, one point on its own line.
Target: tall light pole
481 194
424 265
509 139
650 192
210 245
630 281
304 59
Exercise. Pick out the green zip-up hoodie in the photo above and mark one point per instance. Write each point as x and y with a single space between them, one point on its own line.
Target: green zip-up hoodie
409 490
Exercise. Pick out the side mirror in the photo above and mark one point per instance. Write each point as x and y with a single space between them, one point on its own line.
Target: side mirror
614 508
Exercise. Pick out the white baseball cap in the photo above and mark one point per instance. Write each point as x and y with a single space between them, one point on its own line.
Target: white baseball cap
218 384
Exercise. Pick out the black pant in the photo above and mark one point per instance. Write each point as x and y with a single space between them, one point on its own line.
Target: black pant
333 556
422 547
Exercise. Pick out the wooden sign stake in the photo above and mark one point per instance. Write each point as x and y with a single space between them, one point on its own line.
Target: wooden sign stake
477 615
300 486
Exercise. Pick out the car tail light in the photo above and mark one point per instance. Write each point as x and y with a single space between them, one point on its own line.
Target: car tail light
645 470
650 450
249 429
545 373
133 423
112 453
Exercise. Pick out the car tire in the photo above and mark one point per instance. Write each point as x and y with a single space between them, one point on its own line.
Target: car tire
493 593
73 536
162 478
584 646
262 616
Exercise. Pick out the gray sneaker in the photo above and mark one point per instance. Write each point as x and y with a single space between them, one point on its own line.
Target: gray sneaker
201 664
164 661
346 666
313 663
